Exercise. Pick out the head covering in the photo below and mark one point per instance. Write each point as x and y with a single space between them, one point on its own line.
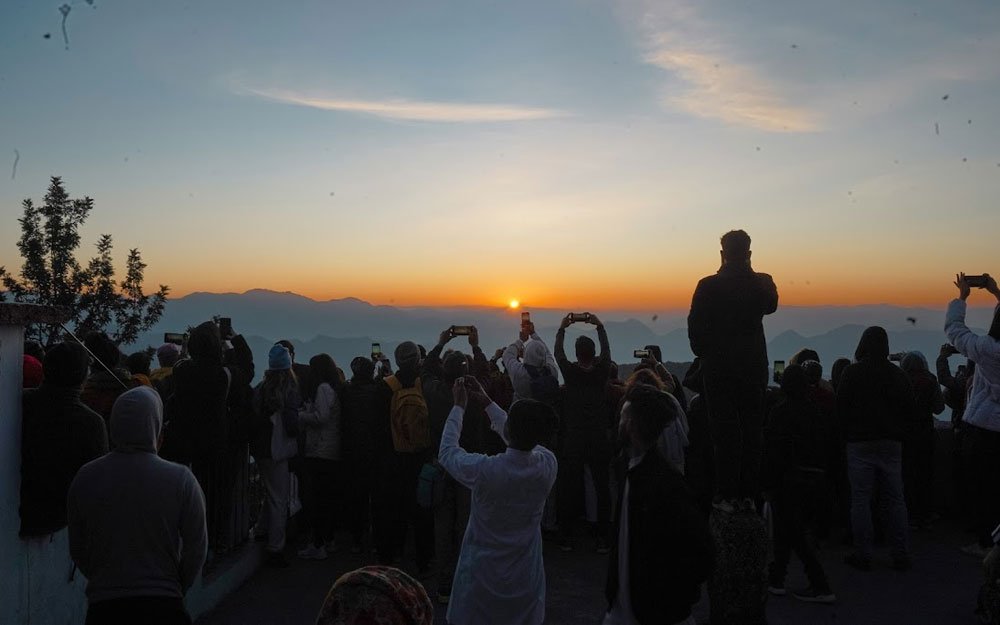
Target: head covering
136 419
32 372
534 353
66 365
455 365
803 355
914 362
362 369
794 382
407 355
376 594
167 354
204 342
813 371
278 358
874 345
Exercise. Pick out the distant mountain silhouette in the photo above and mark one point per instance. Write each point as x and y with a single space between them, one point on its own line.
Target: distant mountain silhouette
345 328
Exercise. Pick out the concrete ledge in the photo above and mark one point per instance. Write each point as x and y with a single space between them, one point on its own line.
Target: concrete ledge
224 578
26 314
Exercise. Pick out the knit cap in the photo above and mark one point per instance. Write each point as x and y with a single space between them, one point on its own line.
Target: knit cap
279 359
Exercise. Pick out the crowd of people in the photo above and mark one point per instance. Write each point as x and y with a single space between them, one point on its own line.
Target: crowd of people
480 459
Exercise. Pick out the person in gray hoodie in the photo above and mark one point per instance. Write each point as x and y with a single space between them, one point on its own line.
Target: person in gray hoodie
137 522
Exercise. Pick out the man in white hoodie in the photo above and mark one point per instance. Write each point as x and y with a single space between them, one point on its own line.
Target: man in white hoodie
137 522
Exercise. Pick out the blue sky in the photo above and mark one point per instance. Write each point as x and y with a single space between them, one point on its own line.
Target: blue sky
559 152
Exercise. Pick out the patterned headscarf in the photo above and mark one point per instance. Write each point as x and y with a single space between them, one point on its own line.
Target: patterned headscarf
376 595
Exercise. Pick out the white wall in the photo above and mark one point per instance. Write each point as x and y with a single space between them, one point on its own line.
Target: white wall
34 575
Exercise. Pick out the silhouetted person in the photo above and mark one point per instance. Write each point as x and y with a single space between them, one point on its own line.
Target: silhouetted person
837 371
918 444
366 439
535 374
586 436
102 387
500 576
167 356
59 434
794 474
726 330
137 522
875 405
662 550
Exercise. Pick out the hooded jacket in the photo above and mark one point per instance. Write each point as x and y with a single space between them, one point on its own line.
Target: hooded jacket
536 354
983 407
875 398
136 521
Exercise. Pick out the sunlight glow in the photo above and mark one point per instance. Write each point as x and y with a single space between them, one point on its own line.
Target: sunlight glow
514 304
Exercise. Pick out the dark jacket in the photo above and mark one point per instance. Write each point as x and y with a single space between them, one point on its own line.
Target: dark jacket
670 548
59 434
477 435
956 387
195 414
584 405
725 325
364 434
102 389
793 438
875 399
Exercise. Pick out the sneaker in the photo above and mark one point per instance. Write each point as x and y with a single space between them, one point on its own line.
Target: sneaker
858 561
276 559
312 552
975 549
777 590
603 546
812 595
902 563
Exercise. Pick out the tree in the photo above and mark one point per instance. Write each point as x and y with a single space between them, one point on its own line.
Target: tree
51 274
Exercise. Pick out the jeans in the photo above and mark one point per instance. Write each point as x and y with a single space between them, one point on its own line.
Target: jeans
451 517
871 465
736 412
277 483
593 450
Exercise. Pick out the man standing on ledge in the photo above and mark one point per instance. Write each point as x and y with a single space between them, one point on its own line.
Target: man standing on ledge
727 333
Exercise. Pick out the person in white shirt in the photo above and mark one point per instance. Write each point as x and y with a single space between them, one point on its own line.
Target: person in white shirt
537 359
500 577
663 550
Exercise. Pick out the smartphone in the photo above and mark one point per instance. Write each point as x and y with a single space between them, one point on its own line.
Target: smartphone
779 367
376 350
525 317
177 338
640 353
461 330
225 327
977 282
951 350
585 317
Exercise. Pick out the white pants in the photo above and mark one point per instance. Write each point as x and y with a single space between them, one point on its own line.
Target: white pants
274 516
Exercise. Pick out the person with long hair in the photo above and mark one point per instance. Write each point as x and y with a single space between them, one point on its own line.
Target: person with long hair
982 412
364 440
276 405
918 446
320 419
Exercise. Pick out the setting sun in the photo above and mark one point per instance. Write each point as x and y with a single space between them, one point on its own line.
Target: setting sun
514 303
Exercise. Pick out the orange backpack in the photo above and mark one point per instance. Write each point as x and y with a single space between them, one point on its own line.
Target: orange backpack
408 417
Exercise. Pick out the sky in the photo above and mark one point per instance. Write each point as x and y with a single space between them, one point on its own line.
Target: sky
566 153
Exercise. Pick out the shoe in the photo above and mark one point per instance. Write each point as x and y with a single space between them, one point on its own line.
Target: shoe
603 546
904 563
811 595
777 591
975 549
312 552
727 506
276 559
858 561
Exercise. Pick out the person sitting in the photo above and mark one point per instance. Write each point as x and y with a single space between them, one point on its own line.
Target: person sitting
376 594
137 522
500 576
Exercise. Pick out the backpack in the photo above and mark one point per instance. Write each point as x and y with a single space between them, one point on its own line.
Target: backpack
544 385
408 416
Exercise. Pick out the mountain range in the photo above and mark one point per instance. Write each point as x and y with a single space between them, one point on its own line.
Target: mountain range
345 328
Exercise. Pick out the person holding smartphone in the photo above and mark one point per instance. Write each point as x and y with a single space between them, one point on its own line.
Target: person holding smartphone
982 412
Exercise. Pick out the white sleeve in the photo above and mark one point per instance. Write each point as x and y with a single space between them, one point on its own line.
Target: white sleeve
460 464
974 347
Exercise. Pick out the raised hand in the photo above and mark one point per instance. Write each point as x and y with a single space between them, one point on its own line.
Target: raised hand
963 286
460 394
445 336
474 337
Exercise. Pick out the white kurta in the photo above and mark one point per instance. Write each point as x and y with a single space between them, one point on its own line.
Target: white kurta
500 577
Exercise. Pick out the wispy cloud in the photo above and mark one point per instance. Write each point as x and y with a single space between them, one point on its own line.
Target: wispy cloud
412 110
676 39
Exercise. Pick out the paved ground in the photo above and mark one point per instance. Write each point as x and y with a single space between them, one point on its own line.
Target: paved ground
940 590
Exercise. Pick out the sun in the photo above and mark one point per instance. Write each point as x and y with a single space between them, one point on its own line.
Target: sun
514 304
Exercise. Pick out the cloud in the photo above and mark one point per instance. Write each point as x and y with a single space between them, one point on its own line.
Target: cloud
412 110
676 39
